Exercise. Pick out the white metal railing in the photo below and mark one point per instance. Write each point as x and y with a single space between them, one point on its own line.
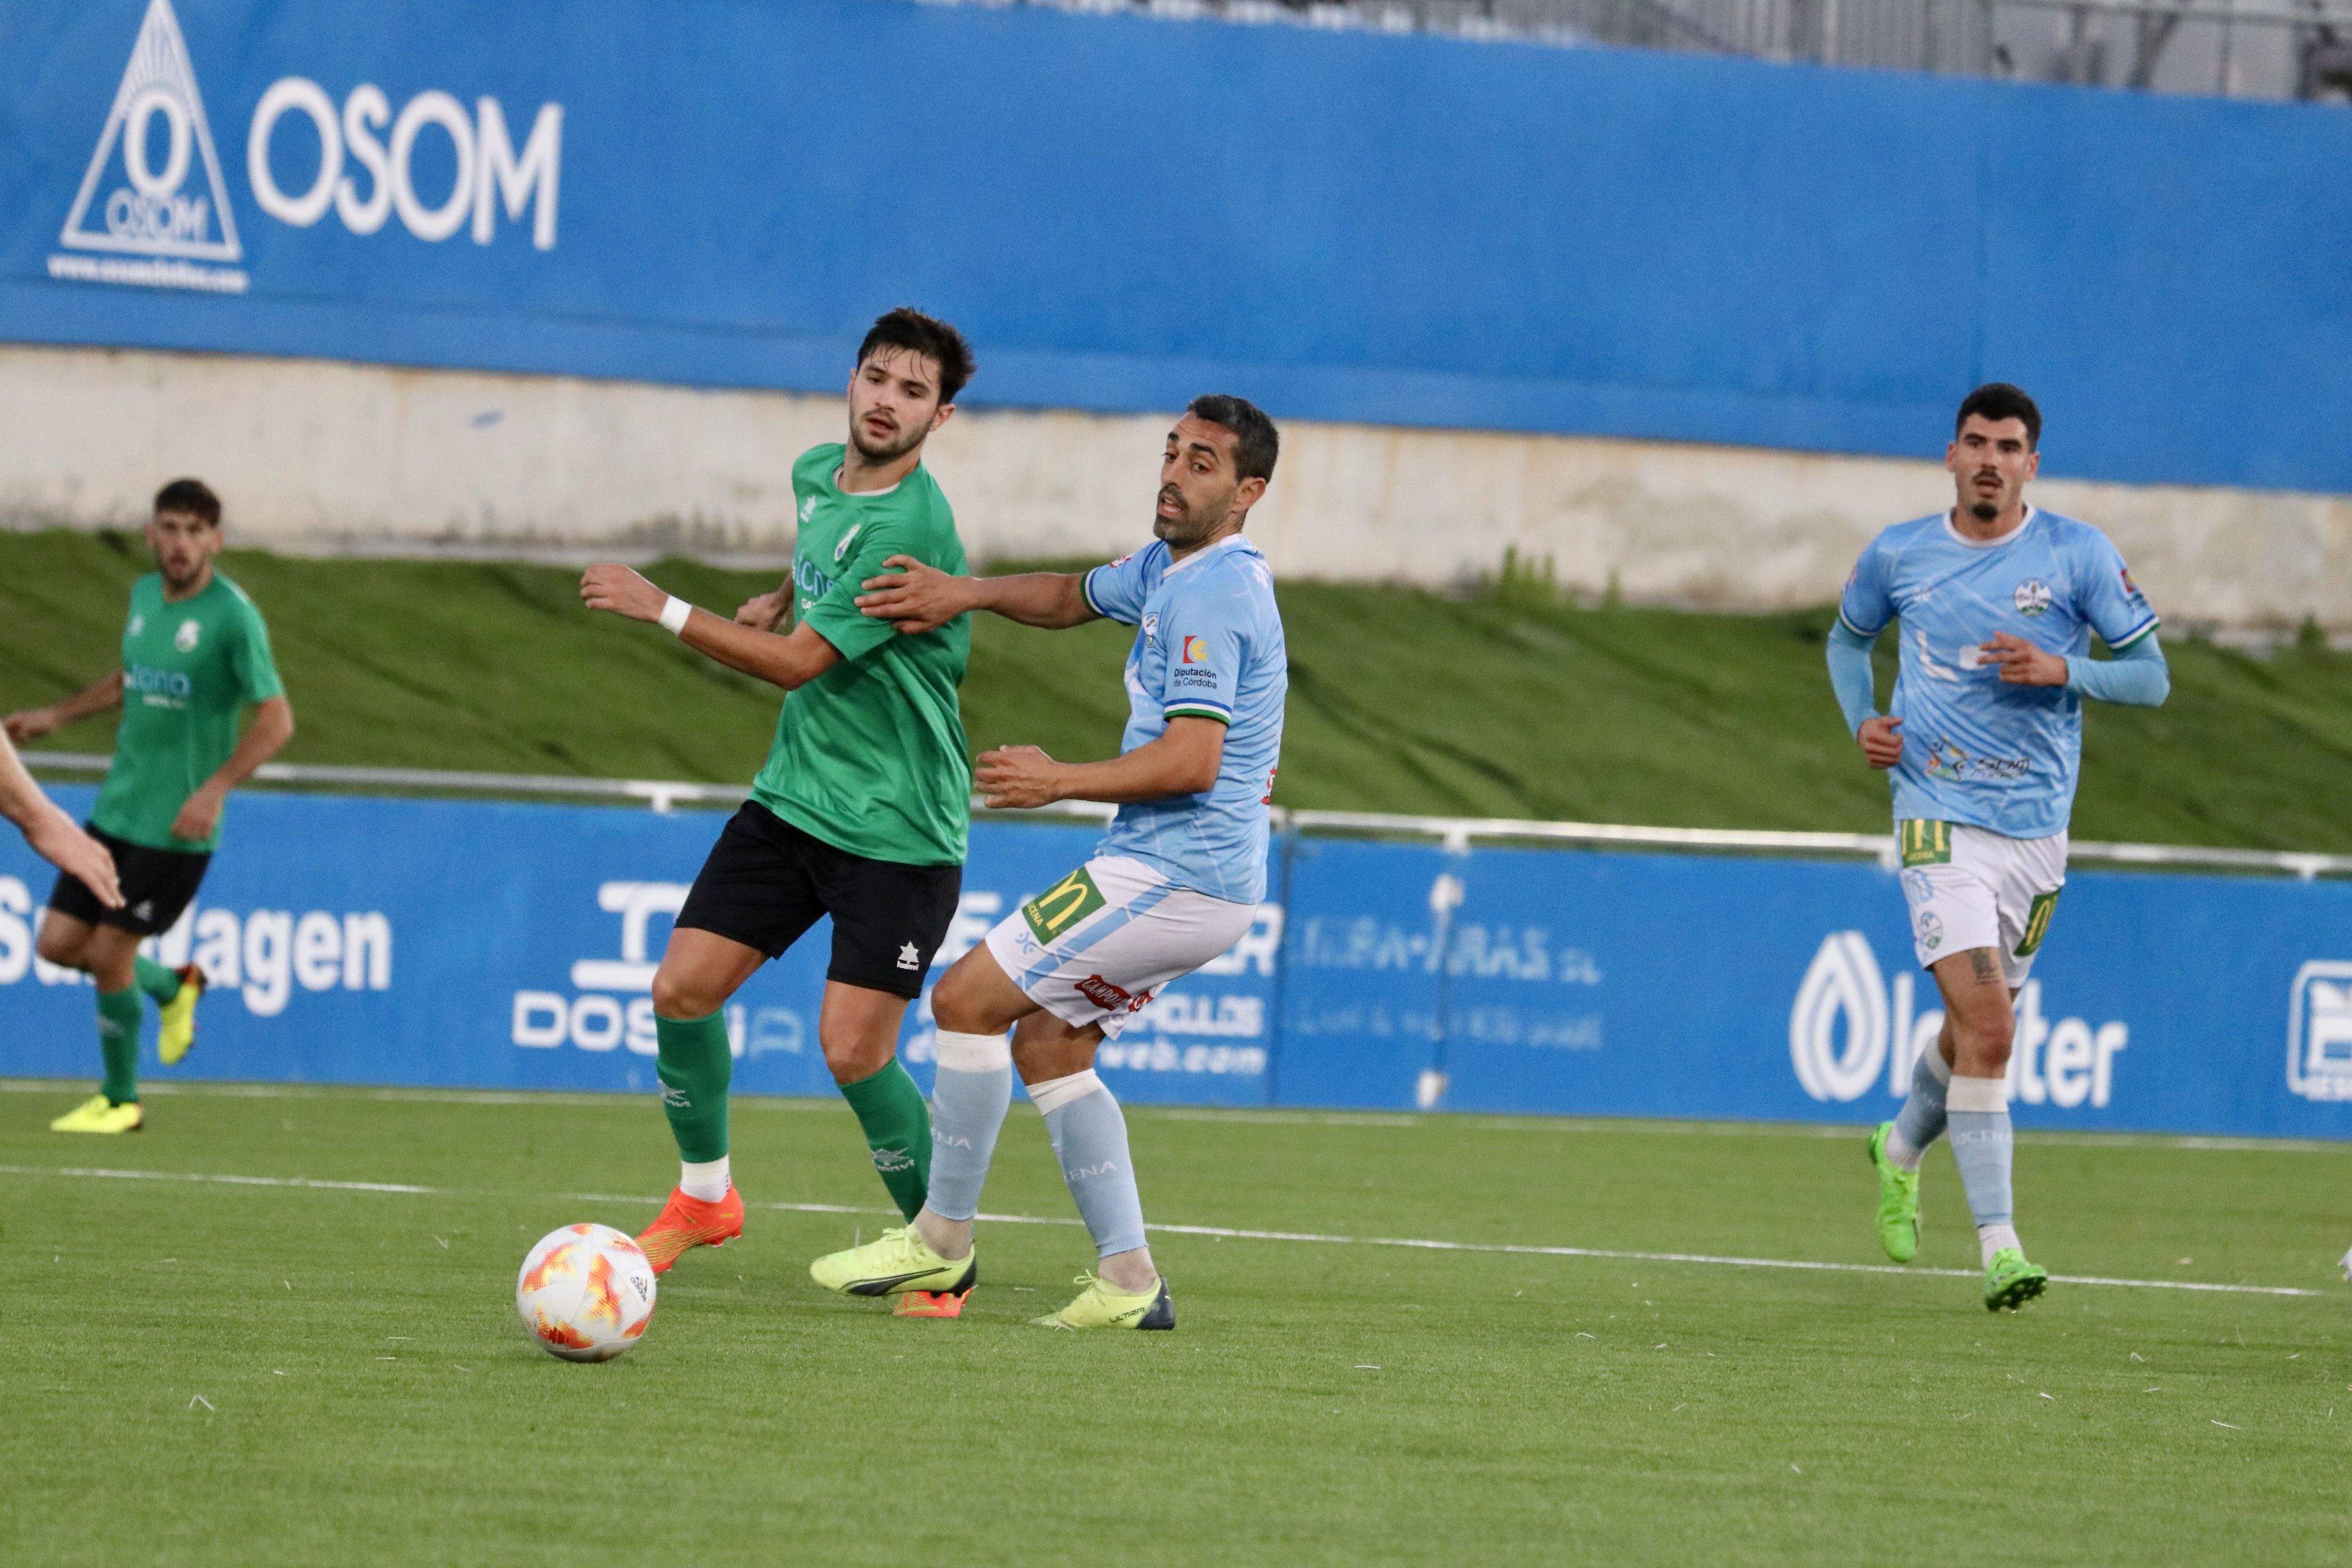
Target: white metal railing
1454 833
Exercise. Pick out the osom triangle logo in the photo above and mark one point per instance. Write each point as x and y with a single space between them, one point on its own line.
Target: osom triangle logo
153 189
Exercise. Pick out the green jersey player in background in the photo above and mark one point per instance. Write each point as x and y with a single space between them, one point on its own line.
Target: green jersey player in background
862 810
196 656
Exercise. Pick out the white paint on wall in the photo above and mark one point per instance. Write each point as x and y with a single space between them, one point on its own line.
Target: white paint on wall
323 456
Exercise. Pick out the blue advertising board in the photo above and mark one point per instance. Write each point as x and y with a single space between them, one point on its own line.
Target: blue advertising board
1123 212
512 946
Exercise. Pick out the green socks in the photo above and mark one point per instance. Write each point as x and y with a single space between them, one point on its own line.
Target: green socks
694 1066
118 1041
158 982
898 1129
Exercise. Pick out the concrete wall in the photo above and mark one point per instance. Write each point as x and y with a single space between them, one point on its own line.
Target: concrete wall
320 455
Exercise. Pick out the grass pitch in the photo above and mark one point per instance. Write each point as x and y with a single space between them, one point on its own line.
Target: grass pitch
1506 701
303 1369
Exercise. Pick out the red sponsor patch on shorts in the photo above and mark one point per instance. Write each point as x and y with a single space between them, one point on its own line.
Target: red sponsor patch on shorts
1103 993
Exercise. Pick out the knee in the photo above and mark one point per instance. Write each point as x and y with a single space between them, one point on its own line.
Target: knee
954 1004
850 1057
55 947
1986 1038
679 997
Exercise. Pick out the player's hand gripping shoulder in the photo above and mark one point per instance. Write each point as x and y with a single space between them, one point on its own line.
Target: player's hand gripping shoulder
2022 663
1881 740
915 597
622 592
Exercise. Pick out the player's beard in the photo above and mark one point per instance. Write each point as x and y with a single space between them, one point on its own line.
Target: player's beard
908 439
1192 529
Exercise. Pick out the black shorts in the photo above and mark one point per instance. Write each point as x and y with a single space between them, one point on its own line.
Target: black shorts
766 882
157 885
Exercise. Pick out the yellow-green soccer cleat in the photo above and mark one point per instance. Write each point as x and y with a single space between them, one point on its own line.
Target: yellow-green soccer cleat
1898 1200
900 1261
2010 1282
1103 1305
98 1114
178 1030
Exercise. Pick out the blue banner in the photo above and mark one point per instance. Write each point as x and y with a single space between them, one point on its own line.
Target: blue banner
1123 212
512 946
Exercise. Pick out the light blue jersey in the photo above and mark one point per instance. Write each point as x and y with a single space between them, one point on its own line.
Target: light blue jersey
1977 749
1208 645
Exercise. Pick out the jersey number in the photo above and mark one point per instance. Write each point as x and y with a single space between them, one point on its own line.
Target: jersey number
1063 905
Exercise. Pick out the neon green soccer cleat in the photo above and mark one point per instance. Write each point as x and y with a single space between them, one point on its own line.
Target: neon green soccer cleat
99 1114
1898 1200
900 1262
1103 1305
2010 1282
178 1030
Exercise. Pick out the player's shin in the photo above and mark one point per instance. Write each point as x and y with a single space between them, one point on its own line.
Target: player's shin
898 1127
695 1067
1982 1144
968 1103
1923 1118
1090 1137
118 1042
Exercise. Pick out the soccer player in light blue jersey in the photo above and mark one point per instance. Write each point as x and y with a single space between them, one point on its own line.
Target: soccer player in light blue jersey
1174 884
1997 602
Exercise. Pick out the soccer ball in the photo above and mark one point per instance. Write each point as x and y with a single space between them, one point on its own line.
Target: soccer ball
585 1292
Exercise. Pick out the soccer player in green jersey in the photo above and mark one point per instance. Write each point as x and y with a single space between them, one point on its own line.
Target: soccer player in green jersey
861 810
196 656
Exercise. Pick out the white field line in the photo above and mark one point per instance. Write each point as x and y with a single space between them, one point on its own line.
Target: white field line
1402 1120
1219 1231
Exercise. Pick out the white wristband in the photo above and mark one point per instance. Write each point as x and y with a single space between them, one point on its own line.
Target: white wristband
674 613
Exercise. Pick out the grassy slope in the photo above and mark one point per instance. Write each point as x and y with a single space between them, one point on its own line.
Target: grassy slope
369 1397
1401 701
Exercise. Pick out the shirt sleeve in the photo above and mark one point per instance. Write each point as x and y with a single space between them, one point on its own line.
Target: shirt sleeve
1117 591
1207 637
2110 601
249 660
836 618
1868 602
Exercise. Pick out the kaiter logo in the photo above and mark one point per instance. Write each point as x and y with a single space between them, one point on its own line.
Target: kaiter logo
1195 650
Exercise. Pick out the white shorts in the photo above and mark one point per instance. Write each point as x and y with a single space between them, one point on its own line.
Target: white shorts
1969 888
1096 946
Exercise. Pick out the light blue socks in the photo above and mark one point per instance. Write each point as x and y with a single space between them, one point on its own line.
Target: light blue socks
1089 1138
1983 1146
1921 1121
968 1102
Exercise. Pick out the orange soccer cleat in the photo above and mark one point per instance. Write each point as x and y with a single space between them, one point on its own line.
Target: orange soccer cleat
686 1222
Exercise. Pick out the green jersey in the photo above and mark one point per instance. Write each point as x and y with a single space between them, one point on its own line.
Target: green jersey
189 670
870 755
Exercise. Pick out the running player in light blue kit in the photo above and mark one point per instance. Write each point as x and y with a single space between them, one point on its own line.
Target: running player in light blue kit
1175 883
1984 737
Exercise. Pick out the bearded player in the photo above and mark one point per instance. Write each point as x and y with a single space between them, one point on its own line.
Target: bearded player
1984 738
1175 883
195 657
862 809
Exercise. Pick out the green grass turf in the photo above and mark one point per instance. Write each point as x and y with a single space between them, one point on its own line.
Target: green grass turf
1503 702
199 1374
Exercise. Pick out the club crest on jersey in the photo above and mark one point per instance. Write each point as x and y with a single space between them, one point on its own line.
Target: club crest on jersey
184 639
138 625
2032 596
841 549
